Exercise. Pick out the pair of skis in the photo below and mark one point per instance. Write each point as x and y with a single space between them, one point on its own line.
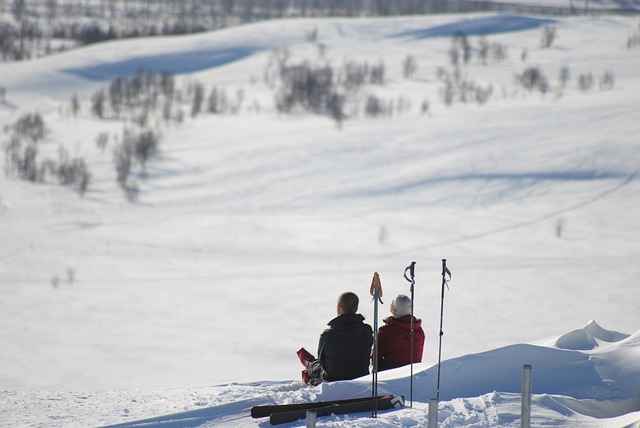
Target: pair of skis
284 413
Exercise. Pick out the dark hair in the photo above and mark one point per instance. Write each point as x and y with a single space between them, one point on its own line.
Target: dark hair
349 301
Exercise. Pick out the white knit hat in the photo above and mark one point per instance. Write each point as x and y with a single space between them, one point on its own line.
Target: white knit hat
402 304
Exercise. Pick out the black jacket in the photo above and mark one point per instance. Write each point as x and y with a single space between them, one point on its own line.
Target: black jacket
344 349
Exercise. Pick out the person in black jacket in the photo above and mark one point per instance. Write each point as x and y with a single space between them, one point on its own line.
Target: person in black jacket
344 348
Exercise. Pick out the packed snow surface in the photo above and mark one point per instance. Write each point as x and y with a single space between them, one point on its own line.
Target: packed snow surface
249 225
571 387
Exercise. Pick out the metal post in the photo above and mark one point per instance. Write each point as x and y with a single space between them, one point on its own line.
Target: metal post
312 416
433 413
525 421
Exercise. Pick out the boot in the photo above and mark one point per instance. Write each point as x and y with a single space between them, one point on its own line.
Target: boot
305 376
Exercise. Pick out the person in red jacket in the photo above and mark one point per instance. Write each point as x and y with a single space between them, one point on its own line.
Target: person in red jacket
394 337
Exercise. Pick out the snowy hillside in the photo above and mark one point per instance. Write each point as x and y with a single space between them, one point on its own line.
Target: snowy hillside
226 250
588 377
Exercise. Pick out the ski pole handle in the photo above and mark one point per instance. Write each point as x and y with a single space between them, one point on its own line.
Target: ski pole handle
411 269
445 271
376 287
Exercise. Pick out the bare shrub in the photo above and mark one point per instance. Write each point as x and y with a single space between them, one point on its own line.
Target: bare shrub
634 39
585 82
73 172
102 140
217 101
409 66
564 77
548 36
22 149
21 154
424 107
353 76
305 87
607 81
30 126
460 48
533 79
486 51
198 99
75 104
374 107
377 74
131 156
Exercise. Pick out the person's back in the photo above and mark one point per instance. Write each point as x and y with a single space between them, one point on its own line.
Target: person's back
344 349
394 338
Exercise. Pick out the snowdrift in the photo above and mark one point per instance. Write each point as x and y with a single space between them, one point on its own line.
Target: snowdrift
597 387
590 376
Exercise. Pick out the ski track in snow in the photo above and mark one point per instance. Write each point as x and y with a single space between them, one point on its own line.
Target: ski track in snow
551 215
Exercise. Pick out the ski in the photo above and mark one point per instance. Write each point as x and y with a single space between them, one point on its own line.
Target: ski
266 410
362 405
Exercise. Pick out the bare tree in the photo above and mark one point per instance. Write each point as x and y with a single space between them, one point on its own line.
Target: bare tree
565 75
75 104
548 36
97 104
532 79
409 66
607 81
198 98
585 82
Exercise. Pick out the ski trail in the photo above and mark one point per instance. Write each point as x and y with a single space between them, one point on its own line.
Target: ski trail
236 414
519 225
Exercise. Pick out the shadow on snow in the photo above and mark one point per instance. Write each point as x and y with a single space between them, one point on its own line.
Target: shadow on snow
174 63
479 26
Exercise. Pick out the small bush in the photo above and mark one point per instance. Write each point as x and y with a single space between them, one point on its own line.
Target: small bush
585 82
548 36
409 66
73 172
131 156
374 107
21 154
31 127
607 81
634 40
564 77
533 79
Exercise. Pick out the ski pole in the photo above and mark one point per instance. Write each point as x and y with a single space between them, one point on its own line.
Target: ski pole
412 280
376 292
445 273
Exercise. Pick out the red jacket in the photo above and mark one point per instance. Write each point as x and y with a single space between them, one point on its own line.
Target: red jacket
394 343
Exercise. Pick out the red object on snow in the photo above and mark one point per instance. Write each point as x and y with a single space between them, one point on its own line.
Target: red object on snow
304 356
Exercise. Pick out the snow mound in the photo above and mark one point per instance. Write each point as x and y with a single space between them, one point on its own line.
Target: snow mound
597 388
589 337
574 364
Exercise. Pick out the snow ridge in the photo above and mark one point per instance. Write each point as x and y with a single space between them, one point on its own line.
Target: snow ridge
589 337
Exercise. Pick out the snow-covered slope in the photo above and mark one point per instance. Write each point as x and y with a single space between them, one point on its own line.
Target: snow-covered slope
594 388
249 225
